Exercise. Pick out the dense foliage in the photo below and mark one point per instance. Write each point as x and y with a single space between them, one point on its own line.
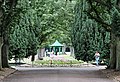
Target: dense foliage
88 36
39 23
59 16
116 23
24 31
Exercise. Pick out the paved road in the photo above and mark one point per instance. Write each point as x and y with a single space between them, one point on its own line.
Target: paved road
87 74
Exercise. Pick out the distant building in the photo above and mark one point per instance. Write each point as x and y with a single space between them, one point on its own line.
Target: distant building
57 49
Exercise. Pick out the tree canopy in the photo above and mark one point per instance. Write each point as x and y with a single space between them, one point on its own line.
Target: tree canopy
39 23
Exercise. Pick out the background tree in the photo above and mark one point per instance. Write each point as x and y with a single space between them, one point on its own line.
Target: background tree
57 15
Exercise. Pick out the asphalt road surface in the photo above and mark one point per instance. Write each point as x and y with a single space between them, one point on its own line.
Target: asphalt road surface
86 74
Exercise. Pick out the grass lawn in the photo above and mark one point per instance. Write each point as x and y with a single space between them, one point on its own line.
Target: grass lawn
60 60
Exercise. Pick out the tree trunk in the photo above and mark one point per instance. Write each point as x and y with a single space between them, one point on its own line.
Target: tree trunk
5 51
1 38
0 52
112 64
118 54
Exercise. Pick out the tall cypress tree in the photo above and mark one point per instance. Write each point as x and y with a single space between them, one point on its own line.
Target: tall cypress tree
87 35
25 30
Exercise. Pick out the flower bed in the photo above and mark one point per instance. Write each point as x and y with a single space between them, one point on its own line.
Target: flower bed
58 63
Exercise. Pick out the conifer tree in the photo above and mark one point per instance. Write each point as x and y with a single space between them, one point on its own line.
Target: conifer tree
24 33
88 35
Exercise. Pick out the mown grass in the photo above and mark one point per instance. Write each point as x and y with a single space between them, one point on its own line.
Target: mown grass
39 62
64 60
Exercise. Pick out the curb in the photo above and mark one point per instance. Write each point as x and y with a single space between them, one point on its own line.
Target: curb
8 74
110 77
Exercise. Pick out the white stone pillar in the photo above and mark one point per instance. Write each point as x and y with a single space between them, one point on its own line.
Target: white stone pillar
72 51
59 50
63 48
